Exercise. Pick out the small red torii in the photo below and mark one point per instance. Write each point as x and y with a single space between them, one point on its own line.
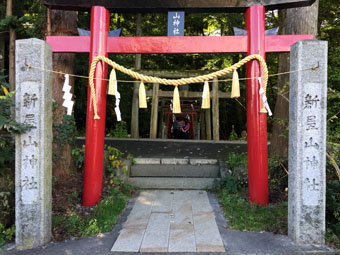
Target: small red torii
100 44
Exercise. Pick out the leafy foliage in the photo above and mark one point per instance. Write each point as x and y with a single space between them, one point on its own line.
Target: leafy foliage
237 173
7 121
333 207
113 160
29 18
120 130
64 132
78 155
233 135
6 204
6 234
7 151
8 126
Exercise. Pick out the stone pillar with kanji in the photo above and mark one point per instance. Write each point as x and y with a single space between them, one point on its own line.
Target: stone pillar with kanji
307 142
33 149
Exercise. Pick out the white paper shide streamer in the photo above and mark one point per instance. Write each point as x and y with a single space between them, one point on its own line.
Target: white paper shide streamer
68 103
264 98
117 95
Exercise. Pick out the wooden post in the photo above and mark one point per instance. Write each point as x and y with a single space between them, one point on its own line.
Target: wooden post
207 124
202 125
161 118
215 111
135 108
154 111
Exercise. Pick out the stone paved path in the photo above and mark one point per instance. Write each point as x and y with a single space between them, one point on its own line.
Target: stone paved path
235 242
170 221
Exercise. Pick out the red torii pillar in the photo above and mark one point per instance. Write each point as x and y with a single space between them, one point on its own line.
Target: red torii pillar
95 129
256 121
99 44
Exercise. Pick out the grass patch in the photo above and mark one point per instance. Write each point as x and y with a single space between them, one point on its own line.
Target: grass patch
245 216
81 221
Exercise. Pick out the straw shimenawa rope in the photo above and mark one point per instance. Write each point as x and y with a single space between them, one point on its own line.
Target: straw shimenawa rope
174 82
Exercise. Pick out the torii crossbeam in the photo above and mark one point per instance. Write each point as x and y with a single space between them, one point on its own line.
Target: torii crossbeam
100 44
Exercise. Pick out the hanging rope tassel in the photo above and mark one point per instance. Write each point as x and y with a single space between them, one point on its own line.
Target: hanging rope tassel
112 83
235 87
142 96
176 101
206 96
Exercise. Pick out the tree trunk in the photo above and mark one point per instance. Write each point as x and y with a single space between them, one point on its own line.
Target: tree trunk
12 37
62 23
302 20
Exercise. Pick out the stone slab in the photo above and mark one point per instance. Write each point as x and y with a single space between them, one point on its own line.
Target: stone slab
182 238
203 161
204 222
156 237
132 234
129 239
182 234
147 161
33 149
163 201
175 170
174 161
184 195
140 213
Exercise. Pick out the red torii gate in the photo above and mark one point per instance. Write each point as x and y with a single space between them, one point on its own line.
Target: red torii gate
100 44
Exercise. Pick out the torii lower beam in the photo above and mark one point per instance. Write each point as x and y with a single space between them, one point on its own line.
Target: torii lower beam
100 44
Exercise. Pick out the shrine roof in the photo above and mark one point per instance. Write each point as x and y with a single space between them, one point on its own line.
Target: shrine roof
156 6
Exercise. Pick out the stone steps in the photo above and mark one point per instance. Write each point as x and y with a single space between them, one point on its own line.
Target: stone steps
174 173
172 182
